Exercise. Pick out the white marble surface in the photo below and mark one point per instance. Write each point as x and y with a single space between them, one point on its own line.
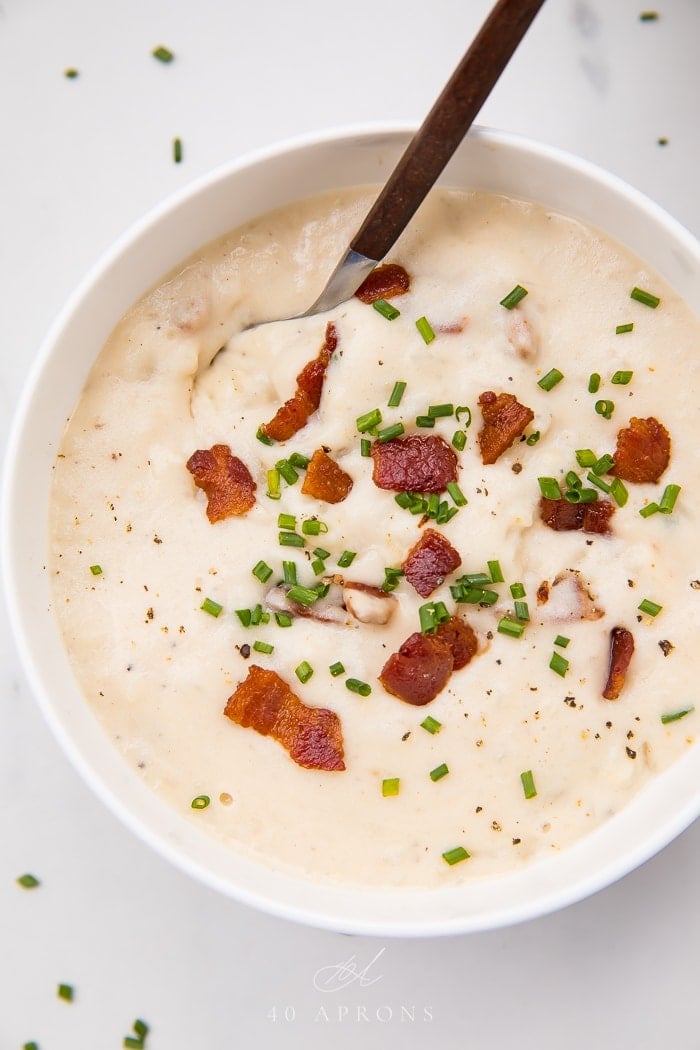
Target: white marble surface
80 160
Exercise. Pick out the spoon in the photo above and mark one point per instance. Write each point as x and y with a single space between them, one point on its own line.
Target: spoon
430 148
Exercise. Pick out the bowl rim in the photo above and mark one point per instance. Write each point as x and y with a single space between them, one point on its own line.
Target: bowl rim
311 913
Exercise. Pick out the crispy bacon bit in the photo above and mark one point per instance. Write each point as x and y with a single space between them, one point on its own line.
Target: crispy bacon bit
643 451
429 561
414 464
312 735
367 603
563 516
294 413
225 480
504 420
543 593
419 670
621 649
461 639
384 282
325 479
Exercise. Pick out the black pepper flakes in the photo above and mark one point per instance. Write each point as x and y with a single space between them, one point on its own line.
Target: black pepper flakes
245 650
630 752
665 646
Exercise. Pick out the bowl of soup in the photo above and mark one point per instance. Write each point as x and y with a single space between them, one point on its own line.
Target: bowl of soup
380 620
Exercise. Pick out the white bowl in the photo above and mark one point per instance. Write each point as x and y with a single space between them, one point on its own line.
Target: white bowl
214 204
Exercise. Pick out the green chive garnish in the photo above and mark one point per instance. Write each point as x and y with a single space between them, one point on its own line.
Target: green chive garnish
618 492
668 500
163 54
346 558
262 436
32 1045
389 433
438 411
283 619
512 628
396 394
286 521
464 410
365 448
70 73
302 595
291 539
391 786
385 309
649 607
572 480
369 421
621 378
314 527
533 438
593 383
454 856
289 568
200 802
621 329
603 465
558 664
458 497
211 607
676 715
645 297
424 327
495 571
550 380
605 408
604 486
263 647
96 570
287 471
562 641
318 566
459 440
439 772
649 509
298 460
304 671
262 571
431 725
521 611
28 881
528 782
549 487
425 421
586 457
273 483
67 992
580 495
245 616
517 590
356 686
647 16
336 669
177 150
426 616
514 297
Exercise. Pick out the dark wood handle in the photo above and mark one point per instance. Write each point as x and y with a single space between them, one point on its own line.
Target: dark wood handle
445 126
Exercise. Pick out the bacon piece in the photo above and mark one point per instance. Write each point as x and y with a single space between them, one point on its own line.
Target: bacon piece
384 282
643 450
563 516
312 735
294 413
325 479
414 464
504 420
225 480
429 561
621 649
419 670
461 639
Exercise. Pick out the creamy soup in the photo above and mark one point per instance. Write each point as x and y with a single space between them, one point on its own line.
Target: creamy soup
165 612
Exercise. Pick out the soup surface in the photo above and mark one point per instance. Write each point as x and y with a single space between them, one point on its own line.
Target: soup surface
504 488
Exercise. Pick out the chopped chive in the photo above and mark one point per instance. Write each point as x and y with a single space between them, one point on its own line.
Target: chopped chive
299 461
517 590
439 772
647 16
514 297
495 571
559 664
287 471
289 568
621 329
619 492
321 589
649 509
603 465
396 394
28 881
677 715
528 782
479 579
211 607
391 786
263 647
256 615
550 380
336 669
286 521
200 802
668 500
291 539
533 438
426 331
549 487
438 411
304 671
580 495
177 150
605 408
318 566
132 1042
464 410
562 641
621 378
454 856
572 480
512 628
262 436
314 527
245 616
604 486
262 571
645 297
385 309
346 558
67 992
458 497
459 440
425 421
71 73
521 611
474 595
283 619
356 686
586 457
163 54
593 383
96 570
365 447
649 607
426 616
273 483
319 552
368 421
389 433
302 595
431 725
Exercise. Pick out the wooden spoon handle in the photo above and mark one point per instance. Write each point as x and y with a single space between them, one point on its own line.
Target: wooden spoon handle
445 126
